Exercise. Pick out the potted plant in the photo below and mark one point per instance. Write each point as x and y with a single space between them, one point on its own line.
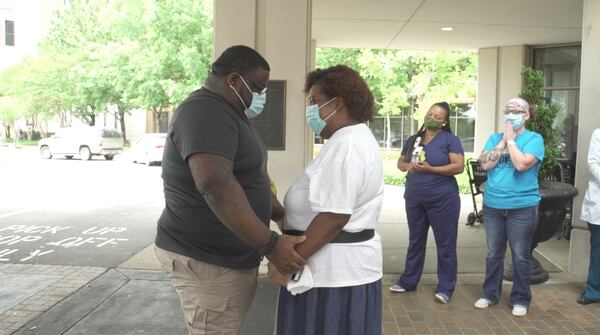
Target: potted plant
556 195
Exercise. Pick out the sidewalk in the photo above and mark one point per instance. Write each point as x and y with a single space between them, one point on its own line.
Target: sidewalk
137 298
60 300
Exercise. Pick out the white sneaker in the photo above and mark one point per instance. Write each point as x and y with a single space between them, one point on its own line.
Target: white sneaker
482 303
397 288
443 298
519 310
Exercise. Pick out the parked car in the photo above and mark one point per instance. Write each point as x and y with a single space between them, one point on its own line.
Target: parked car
84 142
148 149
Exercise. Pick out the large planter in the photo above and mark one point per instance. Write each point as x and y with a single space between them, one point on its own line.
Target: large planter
556 197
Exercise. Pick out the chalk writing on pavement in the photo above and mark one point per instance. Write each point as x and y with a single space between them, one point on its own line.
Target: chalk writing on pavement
38 241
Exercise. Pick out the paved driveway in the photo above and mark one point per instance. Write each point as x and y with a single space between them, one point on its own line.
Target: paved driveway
73 212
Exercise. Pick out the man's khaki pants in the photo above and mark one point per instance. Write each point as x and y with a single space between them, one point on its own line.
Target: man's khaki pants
214 299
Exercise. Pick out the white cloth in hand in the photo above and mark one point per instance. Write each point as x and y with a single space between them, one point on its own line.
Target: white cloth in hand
305 283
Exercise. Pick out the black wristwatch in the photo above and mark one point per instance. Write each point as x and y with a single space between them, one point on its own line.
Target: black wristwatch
267 247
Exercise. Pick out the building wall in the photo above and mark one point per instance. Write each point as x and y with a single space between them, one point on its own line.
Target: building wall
32 22
589 119
135 124
499 79
280 31
8 54
511 60
487 78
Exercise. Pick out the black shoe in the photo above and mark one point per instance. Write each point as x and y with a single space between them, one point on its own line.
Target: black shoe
582 300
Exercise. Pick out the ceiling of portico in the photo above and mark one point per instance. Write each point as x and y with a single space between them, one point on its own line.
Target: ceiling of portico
415 24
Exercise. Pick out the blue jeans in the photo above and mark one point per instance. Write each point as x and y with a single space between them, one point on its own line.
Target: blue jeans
516 226
592 286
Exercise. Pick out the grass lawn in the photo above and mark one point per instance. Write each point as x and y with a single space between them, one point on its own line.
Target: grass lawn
22 142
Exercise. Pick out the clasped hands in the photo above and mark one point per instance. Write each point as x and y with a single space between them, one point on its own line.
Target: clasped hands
278 277
419 166
284 260
509 133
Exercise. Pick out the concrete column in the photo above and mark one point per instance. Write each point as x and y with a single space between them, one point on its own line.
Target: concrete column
487 92
234 23
310 135
511 60
313 54
499 79
589 119
281 31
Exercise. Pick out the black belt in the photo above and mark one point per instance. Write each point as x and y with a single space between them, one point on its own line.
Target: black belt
342 236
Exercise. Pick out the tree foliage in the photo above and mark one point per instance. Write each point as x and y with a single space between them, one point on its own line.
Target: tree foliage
406 82
111 57
542 122
398 76
115 56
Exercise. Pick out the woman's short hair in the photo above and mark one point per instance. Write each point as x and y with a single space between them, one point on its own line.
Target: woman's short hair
341 81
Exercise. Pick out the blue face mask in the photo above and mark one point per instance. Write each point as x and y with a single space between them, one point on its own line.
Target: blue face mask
516 119
314 119
256 106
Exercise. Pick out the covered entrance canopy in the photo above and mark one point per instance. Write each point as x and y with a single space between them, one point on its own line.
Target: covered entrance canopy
501 32
287 33
417 24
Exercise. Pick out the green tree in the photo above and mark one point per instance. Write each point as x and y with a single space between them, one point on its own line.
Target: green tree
10 108
381 73
543 118
9 113
326 57
26 98
406 82
177 52
80 31
113 56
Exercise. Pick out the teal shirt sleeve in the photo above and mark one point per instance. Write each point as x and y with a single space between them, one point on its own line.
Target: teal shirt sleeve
534 145
492 142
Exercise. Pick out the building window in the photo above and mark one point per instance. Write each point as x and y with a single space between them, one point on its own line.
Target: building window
562 67
9 33
462 124
163 122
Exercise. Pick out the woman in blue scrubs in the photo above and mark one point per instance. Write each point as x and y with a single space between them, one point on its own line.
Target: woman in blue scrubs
432 158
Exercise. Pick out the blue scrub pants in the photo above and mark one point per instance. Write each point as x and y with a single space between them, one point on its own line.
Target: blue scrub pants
592 286
441 214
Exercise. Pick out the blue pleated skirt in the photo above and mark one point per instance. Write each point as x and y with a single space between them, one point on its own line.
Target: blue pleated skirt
354 310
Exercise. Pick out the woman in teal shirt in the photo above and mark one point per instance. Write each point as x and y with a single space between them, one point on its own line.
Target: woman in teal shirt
510 204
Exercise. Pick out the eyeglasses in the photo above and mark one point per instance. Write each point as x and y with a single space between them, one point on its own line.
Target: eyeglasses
514 112
260 88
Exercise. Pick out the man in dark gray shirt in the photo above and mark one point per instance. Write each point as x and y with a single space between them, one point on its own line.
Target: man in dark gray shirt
214 229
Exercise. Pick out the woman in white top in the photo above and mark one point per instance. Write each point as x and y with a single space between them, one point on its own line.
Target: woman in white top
590 212
336 203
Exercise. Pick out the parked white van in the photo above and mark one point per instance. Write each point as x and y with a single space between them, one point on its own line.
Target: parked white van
84 142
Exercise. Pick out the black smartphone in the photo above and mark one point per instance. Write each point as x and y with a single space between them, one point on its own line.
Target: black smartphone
296 277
